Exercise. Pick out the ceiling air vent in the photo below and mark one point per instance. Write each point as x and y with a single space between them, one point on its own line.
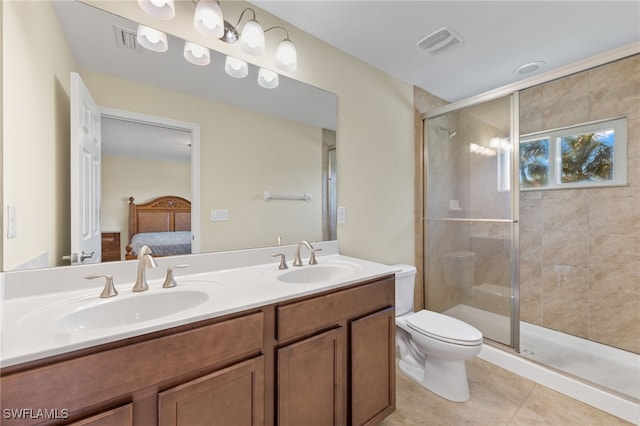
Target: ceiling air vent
440 39
126 38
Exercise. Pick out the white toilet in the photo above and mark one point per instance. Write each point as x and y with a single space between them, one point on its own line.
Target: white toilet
432 347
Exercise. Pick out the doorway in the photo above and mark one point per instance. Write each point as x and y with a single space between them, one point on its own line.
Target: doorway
143 155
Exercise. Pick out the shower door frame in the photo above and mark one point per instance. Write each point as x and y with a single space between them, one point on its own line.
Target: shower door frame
514 108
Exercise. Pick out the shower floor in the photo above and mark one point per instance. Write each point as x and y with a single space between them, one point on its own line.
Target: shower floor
603 365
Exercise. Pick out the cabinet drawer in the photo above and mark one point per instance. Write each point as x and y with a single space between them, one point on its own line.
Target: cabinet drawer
110 237
116 373
122 416
323 311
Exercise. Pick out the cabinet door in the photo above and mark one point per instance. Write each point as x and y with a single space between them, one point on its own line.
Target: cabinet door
233 396
311 386
373 367
121 416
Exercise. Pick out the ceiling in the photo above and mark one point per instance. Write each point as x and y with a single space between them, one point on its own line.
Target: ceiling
497 36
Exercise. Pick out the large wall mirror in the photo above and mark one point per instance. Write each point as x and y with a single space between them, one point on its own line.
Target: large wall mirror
169 128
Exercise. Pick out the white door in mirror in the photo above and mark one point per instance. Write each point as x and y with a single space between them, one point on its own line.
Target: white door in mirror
86 141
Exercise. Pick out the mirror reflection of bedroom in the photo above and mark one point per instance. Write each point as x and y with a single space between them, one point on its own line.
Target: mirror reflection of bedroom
146 189
247 141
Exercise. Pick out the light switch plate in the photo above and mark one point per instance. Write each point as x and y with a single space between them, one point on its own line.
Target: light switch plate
219 215
12 228
342 215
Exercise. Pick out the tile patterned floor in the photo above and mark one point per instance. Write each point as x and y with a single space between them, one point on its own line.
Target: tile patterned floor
498 398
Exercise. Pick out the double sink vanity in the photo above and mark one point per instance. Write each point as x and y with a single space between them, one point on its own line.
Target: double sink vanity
237 341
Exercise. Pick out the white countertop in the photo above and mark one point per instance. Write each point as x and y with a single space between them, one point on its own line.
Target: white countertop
31 327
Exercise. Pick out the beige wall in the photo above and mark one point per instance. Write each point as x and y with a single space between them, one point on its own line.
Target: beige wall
595 231
35 130
374 139
124 177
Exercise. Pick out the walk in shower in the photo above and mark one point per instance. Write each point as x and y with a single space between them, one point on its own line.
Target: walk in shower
531 241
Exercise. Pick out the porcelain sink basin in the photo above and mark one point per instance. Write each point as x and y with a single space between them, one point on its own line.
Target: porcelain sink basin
121 311
310 274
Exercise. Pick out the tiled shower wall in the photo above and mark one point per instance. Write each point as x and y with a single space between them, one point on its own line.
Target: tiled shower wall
580 248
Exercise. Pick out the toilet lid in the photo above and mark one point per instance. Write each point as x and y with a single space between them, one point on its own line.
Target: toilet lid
444 328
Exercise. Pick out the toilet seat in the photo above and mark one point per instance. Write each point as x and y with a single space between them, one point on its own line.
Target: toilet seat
444 328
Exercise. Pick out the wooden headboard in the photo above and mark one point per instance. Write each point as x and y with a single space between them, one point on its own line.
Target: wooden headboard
164 214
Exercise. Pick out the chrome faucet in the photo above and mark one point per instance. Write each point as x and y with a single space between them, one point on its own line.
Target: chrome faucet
170 280
145 260
283 261
109 289
312 260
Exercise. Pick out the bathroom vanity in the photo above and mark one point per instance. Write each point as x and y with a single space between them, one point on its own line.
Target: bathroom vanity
324 354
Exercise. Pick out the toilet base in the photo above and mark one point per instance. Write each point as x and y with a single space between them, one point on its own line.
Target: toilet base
447 379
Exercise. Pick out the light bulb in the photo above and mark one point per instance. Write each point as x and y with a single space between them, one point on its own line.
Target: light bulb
286 56
208 19
161 9
235 67
152 39
196 54
268 79
252 39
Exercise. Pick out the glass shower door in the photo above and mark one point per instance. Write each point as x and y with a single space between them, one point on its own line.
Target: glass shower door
471 228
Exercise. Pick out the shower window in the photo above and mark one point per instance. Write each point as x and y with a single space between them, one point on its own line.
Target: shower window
534 163
592 154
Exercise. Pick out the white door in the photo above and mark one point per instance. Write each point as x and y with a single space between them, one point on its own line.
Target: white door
85 175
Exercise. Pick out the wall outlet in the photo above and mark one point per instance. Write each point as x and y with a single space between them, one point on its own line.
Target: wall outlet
341 215
219 215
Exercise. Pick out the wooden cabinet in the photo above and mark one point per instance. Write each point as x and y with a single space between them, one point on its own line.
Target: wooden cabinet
324 359
111 246
232 396
373 354
311 380
336 365
132 372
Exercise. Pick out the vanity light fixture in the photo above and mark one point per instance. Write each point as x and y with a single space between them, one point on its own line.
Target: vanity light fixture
196 54
268 79
152 39
208 20
161 9
236 67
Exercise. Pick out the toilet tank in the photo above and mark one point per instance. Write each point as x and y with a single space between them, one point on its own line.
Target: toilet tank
405 284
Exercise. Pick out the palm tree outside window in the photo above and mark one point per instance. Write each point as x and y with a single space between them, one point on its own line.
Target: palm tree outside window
586 155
